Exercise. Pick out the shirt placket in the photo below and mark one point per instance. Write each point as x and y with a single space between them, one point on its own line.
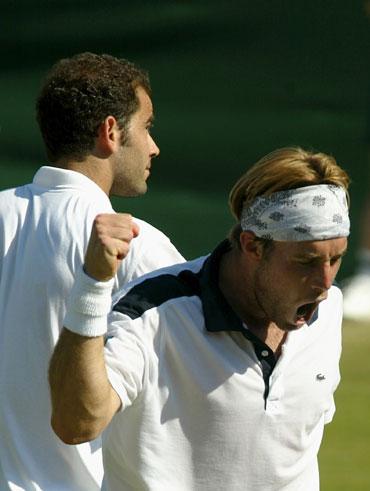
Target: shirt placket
271 371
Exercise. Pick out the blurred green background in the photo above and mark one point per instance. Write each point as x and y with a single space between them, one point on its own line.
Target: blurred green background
232 80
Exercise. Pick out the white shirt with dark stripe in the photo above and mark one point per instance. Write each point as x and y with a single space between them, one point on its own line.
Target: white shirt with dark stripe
202 408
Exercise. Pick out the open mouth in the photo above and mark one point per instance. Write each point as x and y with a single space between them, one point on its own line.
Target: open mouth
306 311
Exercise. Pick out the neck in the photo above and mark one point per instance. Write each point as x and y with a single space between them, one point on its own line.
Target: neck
93 168
236 282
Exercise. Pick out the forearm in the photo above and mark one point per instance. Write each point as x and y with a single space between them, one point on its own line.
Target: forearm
83 401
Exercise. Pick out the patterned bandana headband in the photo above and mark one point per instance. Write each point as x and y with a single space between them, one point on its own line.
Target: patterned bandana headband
309 213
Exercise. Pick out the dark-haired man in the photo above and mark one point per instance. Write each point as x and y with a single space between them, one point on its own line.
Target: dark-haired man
95 114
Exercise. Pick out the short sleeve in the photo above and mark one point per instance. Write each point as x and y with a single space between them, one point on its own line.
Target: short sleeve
125 360
130 355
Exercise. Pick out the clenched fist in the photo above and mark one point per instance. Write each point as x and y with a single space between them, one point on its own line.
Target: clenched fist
109 243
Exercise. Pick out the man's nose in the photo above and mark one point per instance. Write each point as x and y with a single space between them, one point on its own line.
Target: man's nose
154 149
324 277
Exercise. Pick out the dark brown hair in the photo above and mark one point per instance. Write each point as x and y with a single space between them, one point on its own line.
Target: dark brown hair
78 94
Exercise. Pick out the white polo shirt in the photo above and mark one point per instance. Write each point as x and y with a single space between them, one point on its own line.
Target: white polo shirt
197 412
44 230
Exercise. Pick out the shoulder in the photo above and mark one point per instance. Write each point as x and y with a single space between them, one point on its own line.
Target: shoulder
13 193
159 287
54 184
149 231
13 202
149 251
7 192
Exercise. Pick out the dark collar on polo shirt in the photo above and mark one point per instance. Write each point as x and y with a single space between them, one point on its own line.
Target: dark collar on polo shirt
219 316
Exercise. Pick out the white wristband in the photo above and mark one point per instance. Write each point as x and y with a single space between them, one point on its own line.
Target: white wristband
89 304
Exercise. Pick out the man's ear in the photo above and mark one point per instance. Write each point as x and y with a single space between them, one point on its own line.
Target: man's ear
251 247
108 137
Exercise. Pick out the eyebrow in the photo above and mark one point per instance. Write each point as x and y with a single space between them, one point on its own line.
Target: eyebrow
314 255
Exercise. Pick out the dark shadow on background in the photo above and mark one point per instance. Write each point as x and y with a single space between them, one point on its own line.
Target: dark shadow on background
232 80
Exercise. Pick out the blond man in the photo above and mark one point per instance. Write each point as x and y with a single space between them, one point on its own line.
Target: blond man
218 373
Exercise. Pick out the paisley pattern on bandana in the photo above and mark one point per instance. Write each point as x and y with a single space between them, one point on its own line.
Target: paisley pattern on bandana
310 213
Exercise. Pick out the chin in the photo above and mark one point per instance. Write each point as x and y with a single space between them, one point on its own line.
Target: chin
294 327
129 192
290 326
143 189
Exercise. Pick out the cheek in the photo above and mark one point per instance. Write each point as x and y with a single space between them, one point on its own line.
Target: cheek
291 284
283 274
142 145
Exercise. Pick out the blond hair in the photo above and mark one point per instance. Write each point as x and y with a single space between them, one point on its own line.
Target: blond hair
283 169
